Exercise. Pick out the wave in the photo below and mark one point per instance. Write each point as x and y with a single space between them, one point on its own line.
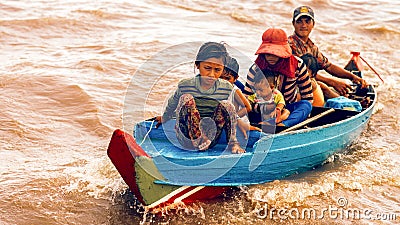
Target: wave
181 5
76 105
43 22
382 29
47 105
12 127
99 13
349 174
245 18
107 66
56 26
97 178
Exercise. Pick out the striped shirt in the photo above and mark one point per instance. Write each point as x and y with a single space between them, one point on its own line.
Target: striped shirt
206 100
288 86
299 48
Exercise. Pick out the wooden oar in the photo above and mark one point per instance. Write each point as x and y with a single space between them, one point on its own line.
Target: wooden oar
309 120
372 69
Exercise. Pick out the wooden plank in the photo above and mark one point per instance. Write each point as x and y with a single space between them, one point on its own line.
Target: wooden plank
309 120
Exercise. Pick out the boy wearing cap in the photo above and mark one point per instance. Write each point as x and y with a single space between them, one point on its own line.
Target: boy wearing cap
275 59
303 23
231 74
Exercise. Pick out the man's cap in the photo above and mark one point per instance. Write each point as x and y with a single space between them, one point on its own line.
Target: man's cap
303 11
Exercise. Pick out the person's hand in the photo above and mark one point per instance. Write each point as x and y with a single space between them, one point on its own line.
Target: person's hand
244 127
278 115
342 87
359 80
159 121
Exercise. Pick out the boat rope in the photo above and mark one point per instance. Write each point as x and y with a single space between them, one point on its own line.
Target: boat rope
372 69
148 132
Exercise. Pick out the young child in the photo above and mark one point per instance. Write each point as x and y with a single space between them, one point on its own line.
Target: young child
271 103
239 100
201 103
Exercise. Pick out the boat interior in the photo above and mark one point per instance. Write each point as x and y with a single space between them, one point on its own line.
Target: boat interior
366 97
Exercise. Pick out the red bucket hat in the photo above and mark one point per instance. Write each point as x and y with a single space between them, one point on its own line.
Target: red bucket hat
275 42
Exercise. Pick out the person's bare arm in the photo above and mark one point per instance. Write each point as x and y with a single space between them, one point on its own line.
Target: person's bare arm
340 85
342 73
242 101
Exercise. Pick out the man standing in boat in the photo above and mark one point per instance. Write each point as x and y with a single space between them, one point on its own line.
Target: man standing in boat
303 23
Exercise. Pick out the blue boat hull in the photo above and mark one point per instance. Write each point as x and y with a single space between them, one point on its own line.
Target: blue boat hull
266 159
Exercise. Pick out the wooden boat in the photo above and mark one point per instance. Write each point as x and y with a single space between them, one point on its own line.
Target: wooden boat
160 173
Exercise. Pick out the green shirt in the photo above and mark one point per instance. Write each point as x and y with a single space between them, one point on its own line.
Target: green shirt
206 100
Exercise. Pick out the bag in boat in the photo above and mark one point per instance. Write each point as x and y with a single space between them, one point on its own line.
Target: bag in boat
343 103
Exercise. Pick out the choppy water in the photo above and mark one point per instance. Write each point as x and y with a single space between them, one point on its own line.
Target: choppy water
66 67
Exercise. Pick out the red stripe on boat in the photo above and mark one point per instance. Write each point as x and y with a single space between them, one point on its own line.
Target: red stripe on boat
120 150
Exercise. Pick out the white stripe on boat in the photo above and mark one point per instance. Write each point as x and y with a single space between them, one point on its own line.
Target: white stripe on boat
188 194
167 197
